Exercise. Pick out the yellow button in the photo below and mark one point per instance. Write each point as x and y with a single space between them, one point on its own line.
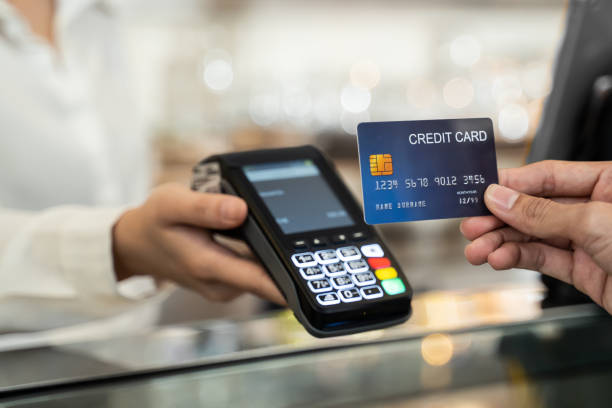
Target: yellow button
386 273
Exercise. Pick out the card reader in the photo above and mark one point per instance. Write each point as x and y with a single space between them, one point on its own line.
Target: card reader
306 228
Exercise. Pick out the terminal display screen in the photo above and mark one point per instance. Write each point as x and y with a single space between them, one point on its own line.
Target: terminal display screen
298 197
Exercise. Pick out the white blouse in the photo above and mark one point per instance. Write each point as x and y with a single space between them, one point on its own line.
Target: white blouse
73 154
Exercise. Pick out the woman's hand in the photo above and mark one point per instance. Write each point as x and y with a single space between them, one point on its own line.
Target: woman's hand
168 237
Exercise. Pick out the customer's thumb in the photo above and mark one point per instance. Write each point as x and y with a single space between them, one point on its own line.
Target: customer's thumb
535 216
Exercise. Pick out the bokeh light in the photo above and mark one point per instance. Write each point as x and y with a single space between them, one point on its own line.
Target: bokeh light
297 102
218 75
421 93
326 109
465 50
355 99
278 74
437 349
458 93
506 89
513 122
365 74
535 78
264 109
349 121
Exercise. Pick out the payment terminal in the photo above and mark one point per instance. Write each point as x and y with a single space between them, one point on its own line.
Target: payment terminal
306 228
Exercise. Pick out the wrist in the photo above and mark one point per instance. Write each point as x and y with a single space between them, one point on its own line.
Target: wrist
120 247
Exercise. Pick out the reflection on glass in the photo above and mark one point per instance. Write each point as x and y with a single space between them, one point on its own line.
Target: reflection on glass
437 349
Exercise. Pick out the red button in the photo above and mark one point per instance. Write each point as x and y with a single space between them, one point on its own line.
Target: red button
377 263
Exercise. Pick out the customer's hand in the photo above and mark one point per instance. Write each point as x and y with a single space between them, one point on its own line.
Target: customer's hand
168 238
567 235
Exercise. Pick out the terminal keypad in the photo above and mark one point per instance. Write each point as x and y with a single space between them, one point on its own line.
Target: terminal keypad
348 274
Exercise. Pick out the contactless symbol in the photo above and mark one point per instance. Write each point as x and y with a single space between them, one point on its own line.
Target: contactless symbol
381 165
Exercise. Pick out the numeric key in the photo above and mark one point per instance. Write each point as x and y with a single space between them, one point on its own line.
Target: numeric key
342 282
334 269
312 272
349 253
350 295
364 278
326 256
360 265
305 259
319 285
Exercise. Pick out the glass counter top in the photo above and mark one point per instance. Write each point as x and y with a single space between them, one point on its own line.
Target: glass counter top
452 352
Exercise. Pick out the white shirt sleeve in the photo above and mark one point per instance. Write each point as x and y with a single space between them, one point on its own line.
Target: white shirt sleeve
87 146
58 257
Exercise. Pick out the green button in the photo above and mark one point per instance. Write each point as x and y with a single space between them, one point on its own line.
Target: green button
393 286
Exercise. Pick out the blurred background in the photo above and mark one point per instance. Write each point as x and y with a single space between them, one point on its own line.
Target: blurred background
216 76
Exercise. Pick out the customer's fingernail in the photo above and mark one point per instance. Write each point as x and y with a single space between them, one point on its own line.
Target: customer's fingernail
502 197
232 209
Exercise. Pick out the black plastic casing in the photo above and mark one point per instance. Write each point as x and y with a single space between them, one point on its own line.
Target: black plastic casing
274 248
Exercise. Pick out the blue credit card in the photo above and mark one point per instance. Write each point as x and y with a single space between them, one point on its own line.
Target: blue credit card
425 169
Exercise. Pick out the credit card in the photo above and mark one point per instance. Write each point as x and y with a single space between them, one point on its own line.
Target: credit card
425 169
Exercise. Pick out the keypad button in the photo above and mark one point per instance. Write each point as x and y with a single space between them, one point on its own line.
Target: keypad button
342 282
378 263
372 292
364 278
319 285
386 273
339 239
360 265
349 253
350 295
319 241
326 256
327 299
312 272
304 259
358 236
334 269
372 251
393 286
300 244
